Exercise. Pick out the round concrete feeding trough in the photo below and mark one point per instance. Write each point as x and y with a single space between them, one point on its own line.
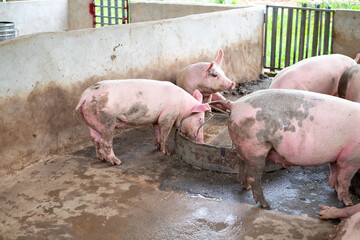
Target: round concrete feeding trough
216 153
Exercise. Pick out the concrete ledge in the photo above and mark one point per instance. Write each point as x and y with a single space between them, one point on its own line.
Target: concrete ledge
151 11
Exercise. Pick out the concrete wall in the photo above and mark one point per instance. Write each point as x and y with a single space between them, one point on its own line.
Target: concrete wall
150 11
347 32
43 75
78 14
35 16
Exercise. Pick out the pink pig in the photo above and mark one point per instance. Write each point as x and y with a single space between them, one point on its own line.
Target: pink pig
111 104
349 228
349 84
316 74
207 77
295 128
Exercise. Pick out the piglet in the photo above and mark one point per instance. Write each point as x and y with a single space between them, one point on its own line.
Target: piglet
130 103
316 74
349 227
207 77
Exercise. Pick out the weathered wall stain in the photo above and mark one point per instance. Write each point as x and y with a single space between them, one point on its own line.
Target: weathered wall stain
44 123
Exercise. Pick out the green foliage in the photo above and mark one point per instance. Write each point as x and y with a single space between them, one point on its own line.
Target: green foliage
333 4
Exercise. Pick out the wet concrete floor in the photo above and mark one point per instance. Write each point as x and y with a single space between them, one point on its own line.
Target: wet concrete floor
152 196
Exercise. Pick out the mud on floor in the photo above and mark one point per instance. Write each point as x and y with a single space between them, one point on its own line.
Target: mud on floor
153 196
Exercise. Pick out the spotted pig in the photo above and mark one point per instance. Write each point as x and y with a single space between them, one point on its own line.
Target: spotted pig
111 104
295 128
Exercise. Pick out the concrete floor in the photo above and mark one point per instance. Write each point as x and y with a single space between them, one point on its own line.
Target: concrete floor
152 196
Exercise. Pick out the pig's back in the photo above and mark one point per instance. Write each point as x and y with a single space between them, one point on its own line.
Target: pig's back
318 74
309 125
123 95
146 89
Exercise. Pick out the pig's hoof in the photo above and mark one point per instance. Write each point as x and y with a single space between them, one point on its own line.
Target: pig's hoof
157 145
167 152
327 212
347 201
117 162
114 161
265 205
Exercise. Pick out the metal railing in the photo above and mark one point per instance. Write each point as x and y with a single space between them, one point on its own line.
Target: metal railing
296 33
109 12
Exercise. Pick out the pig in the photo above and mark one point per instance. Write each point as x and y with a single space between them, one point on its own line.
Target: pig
208 78
130 103
295 128
349 84
348 228
316 74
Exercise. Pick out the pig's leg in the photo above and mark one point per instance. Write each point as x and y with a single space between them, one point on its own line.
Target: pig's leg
333 212
105 126
106 145
165 124
333 176
241 176
157 135
345 174
254 171
96 139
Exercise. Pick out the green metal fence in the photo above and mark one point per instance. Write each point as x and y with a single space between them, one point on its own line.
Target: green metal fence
296 33
109 12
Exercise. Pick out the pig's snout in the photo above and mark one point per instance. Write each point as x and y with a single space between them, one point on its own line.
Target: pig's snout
232 86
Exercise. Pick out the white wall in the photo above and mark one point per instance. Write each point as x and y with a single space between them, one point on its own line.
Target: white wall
36 15
347 32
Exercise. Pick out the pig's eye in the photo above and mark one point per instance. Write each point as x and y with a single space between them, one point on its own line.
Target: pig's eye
213 74
200 121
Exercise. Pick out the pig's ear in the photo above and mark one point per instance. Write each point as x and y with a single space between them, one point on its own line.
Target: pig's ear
201 108
208 69
219 57
198 96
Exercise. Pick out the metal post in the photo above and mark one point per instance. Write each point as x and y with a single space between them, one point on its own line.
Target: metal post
288 37
302 33
273 39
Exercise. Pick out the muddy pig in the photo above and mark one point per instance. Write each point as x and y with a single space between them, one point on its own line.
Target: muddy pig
111 104
207 77
349 227
316 74
349 84
295 128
